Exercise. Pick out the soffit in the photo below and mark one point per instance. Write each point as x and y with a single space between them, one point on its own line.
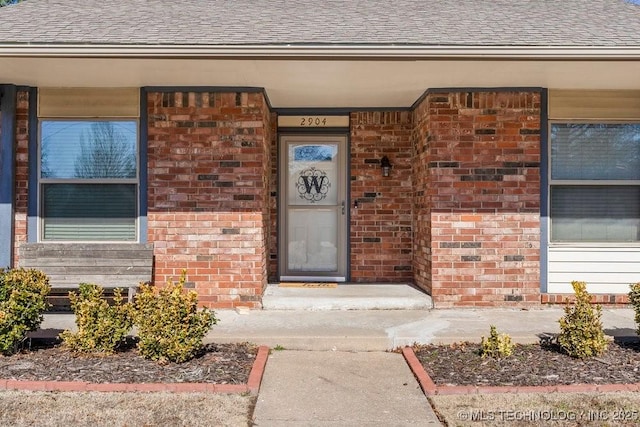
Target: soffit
322 83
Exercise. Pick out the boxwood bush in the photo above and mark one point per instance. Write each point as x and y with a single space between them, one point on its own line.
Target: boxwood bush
23 302
170 326
581 332
102 327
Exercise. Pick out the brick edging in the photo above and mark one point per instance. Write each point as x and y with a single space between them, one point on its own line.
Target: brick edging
252 386
430 388
257 371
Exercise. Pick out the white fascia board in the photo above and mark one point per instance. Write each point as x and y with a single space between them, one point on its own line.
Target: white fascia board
319 51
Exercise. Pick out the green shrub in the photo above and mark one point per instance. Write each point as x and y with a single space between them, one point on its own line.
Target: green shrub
170 326
581 333
23 301
497 345
102 327
634 299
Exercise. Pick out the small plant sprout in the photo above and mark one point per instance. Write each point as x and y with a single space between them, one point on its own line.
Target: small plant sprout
497 345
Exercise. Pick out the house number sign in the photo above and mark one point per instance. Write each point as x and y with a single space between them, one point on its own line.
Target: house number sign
311 121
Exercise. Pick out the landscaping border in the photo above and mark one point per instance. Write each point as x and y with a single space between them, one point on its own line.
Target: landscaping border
429 388
252 386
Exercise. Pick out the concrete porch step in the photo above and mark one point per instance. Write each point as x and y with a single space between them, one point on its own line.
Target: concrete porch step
370 296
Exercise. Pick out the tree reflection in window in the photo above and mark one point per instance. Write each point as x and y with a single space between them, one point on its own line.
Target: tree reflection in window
315 153
88 149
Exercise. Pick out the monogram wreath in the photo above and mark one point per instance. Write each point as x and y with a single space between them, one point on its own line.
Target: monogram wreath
313 185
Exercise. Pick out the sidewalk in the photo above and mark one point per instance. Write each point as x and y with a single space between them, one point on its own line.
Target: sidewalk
349 378
380 330
313 388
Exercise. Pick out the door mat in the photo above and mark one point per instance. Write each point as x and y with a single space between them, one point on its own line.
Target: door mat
307 285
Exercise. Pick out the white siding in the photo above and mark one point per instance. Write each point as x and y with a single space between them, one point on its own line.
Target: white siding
604 269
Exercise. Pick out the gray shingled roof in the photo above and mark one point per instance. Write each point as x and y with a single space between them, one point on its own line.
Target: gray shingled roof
601 23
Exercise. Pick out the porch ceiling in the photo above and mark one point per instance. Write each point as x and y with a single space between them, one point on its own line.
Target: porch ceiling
324 82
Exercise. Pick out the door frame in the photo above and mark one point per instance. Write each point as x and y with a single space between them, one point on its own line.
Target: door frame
344 223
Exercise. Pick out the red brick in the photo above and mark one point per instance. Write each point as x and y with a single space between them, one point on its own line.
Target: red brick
577 388
189 224
535 389
230 388
426 383
66 386
605 388
189 387
389 215
462 206
456 389
109 387
26 385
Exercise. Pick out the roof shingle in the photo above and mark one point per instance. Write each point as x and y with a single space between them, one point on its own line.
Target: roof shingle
582 23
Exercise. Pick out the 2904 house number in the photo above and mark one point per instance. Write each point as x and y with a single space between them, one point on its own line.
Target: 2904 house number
313 121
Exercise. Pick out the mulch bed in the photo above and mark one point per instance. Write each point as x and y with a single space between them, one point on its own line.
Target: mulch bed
458 364
529 365
217 363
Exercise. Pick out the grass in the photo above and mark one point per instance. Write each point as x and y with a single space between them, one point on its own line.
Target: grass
48 409
556 409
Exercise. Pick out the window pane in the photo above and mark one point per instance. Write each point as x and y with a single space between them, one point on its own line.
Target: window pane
595 214
89 211
312 174
595 151
88 149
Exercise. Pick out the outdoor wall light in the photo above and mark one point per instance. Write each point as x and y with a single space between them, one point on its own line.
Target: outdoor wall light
385 164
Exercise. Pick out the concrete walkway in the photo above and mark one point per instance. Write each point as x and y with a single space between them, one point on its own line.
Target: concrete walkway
349 379
312 388
380 330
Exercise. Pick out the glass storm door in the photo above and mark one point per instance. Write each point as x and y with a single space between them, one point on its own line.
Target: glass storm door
313 210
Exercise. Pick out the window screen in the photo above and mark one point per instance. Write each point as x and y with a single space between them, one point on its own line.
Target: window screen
595 182
88 180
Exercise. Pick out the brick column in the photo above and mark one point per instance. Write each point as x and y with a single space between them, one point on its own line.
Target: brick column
209 169
479 194
22 170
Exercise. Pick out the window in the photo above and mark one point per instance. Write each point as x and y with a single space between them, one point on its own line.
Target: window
595 182
88 179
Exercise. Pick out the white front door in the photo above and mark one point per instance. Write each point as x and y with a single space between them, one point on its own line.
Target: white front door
313 208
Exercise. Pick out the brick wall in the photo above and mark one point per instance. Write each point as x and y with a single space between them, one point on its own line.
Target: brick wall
381 235
482 154
602 299
209 169
421 198
22 171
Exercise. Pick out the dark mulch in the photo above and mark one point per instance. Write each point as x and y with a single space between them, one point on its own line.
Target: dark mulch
217 363
529 365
